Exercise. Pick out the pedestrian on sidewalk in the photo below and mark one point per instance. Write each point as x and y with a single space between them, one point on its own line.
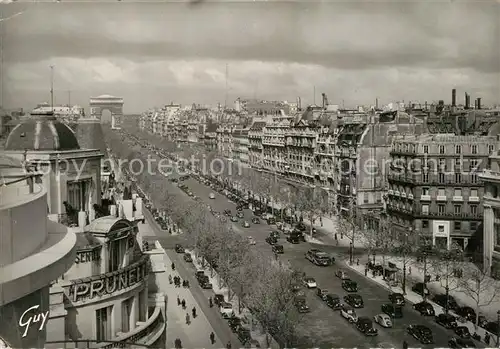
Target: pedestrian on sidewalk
405 345
194 312
183 304
188 319
409 270
228 345
357 261
173 266
170 279
178 343
178 300
212 338
210 302
336 237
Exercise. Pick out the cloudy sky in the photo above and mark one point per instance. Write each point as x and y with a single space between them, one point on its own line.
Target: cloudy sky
154 53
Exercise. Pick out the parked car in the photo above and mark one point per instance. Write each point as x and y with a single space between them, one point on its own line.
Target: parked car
271 240
252 343
349 285
421 333
309 282
443 300
244 335
234 219
226 310
392 310
333 301
446 320
218 299
383 320
300 303
424 308
271 220
318 257
179 248
467 313
188 258
275 234
461 343
234 323
365 326
348 313
341 274
246 224
354 300
255 220
321 293
420 289
211 196
199 274
278 249
397 298
462 332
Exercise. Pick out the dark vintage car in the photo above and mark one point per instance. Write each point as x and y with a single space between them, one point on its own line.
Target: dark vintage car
293 239
271 240
446 320
240 214
300 303
467 313
204 282
179 248
443 300
365 325
424 308
278 249
354 300
255 220
188 258
397 298
420 289
234 323
271 220
234 219
349 285
244 335
394 311
275 234
333 301
461 343
421 333
462 332
321 293
218 299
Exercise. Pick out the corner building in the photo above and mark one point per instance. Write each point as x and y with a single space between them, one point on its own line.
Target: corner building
435 192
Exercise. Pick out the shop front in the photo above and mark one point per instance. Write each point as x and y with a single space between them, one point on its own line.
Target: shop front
23 322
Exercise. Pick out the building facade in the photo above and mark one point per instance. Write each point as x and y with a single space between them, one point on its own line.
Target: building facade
434 186
240 145
225 141
255 134
274 151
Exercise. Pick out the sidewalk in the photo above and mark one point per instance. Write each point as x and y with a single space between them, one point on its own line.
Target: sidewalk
195 335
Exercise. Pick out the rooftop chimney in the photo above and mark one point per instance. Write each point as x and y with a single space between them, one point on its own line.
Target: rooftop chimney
467 100
479 103
299 107
454 97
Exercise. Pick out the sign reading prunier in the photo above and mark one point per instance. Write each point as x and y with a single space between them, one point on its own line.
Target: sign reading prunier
109 283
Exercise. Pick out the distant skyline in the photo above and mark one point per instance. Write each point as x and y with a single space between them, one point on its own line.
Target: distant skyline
154 53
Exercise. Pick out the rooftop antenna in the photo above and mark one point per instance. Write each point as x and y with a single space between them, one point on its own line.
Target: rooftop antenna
52 88
227 73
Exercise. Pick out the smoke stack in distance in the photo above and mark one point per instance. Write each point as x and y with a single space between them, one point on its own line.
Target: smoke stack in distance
479 103
454 97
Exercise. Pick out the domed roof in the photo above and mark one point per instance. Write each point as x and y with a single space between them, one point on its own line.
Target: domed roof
42 132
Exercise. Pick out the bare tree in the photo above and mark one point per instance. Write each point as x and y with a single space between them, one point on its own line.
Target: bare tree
448 264
347 226
312 202
479 286
377 238
405 253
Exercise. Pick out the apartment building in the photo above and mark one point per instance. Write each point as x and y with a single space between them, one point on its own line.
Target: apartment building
225 141
210 139
255 134
240 145
325 158
274 150
435 192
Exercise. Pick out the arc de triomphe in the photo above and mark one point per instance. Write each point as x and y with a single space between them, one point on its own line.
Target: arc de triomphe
107 102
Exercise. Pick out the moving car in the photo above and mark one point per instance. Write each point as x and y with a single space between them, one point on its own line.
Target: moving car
462 332
179 248
383 320
354 300
188 258
275 234
421 333
321 293
397 298
310 282
365 325
246 224
211 196
226 310
234 219
251 240
278 249
420 289
341 274
293 239
424 308
333 301
349 285
348 313
461 343
301 305
392 310
318 257
255 220
240 215
446 320
271 240
205 282
443 300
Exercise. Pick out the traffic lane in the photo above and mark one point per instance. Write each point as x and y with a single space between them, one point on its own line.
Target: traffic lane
374 296
201 297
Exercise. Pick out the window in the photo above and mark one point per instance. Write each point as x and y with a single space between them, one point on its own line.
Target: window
425 177
425 191
77 194
473 165
426 149
103 324
473 226
441 149
473 178
458 192
458 149
457 209
425 224
458 177
442 164
379 197
117 250
441 208
473 209
441 177
365 198
126 312
491 148
441 192
425 209
473 193
458 162
457 225
474 149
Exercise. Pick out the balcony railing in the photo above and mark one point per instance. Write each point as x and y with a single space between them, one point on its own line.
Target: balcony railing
69 220
428 214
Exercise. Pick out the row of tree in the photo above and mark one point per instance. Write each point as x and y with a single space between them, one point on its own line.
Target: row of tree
259 281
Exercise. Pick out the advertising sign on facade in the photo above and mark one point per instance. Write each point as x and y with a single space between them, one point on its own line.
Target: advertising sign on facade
23 322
